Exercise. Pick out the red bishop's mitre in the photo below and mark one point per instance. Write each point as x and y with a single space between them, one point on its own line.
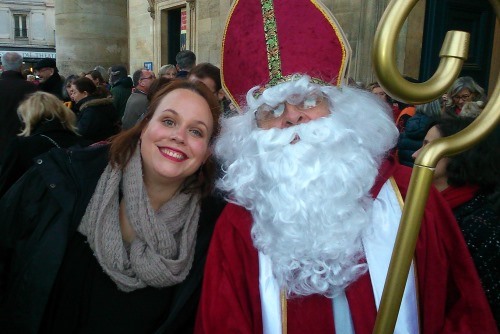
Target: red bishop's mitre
266 42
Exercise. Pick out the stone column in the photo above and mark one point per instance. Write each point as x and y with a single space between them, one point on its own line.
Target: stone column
90 33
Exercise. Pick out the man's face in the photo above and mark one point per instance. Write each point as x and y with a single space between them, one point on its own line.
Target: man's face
146 79
291 113
44 73
210 83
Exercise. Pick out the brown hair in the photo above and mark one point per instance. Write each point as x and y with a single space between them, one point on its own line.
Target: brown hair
85 85
124 144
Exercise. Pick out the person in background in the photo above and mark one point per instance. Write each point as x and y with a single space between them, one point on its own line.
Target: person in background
104 74
138 101
209 74
49 78
375 88
66 92
121 87
470 184
99 82
97 117
47 123
185 60
168 71
307 238
13 89
410 140
463 90
113 238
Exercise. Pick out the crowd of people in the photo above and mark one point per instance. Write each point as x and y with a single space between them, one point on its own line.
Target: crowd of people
260 197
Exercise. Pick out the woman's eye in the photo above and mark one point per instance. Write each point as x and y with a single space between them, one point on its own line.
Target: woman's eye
197 132
169 122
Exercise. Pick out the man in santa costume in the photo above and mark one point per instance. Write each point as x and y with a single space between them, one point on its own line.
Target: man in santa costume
315 197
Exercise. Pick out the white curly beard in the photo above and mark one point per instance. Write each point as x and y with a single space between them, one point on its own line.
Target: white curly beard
310 200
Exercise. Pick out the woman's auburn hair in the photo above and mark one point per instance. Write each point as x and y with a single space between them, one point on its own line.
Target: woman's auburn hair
123 145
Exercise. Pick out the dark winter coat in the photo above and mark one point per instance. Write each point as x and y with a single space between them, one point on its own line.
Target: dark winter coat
121 91
411 139
481 229
13 89
19 155
53 85
97 118
41 213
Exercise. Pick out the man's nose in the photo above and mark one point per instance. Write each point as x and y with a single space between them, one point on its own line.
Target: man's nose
292 116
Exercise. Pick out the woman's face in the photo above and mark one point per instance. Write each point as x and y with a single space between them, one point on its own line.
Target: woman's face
380 93
463 96
175 143
170 73
440 176
76 95
69 90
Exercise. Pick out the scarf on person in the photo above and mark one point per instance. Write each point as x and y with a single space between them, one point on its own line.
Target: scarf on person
162 252
456 196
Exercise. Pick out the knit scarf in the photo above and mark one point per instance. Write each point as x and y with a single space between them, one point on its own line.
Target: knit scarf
163 250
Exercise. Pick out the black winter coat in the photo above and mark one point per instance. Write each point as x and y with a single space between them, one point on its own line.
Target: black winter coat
411 139
97 118
53 85
41 213
13 89
21 151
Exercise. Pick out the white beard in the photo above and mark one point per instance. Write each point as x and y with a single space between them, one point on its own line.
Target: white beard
310 200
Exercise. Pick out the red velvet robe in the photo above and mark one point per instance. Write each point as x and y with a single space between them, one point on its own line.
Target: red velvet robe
451 299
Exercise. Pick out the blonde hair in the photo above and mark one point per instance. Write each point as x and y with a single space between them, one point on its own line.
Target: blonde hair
41 106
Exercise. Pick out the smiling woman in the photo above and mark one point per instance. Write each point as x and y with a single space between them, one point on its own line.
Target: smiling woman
137 220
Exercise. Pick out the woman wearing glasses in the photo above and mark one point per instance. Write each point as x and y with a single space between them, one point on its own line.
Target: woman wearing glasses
463 90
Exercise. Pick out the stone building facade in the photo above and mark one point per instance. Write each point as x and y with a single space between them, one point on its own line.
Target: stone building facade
205 21
27 27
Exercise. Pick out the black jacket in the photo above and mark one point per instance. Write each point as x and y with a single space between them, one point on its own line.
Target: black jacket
97 118
13 89
41 213
19 154
411 139
53 85
121 91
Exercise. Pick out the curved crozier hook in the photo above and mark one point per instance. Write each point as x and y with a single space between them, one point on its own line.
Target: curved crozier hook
475 132
453 53
416 199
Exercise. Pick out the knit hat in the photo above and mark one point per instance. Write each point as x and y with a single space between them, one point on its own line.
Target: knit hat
267 42
45 62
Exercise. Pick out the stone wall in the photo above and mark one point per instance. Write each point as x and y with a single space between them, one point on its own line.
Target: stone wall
141 35
90 33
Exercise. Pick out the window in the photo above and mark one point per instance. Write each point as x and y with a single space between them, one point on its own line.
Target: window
20 27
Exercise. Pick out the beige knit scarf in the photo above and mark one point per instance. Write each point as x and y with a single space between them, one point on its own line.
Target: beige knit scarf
163 250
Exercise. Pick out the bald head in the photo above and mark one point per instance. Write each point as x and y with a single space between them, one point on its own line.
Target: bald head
12 61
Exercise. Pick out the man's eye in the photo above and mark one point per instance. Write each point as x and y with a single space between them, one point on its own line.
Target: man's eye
278 110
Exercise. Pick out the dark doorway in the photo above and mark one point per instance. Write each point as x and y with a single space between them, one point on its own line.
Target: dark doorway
475 17
174 34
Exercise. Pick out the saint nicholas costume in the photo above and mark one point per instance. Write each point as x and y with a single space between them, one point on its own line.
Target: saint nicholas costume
280 40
